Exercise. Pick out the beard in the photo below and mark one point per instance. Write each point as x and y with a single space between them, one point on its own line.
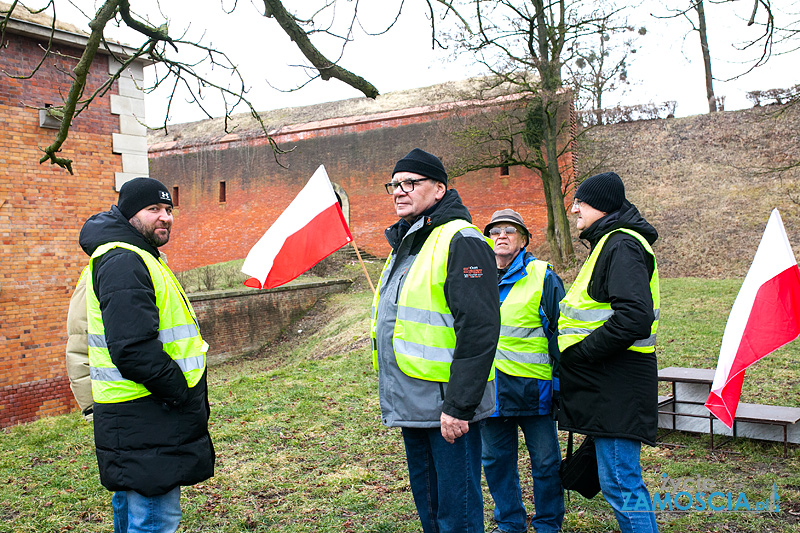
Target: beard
149 234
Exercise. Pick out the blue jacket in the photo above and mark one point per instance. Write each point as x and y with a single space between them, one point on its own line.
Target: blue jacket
518 396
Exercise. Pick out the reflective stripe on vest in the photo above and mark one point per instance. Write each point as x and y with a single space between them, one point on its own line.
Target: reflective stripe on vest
522 347
178 332
112 374
581 315
424 340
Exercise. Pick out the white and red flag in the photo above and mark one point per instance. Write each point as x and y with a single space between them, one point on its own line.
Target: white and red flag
764 317
308 231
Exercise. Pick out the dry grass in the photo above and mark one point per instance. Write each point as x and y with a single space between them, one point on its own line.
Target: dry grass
705 183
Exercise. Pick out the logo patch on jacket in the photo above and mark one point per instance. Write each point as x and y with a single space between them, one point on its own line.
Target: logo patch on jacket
473 272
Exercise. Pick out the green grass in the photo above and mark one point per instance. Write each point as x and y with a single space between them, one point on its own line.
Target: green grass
301 449
694 312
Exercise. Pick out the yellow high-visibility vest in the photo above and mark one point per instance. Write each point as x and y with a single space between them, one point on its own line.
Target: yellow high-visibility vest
580 314
177 331
522 347
424 340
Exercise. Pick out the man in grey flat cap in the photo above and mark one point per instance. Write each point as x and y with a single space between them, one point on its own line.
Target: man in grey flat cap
527 353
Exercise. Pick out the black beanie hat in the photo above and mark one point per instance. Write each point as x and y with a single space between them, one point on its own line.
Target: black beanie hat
138 193
604 192
422 163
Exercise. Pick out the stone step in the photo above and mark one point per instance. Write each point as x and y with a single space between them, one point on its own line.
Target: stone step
347 253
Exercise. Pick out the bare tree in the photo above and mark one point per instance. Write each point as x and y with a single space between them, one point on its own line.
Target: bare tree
170 53
510 130
601 66
777 36
702 29
697 8
525 44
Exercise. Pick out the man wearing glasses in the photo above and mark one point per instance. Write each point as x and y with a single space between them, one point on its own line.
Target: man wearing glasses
435 324
526 353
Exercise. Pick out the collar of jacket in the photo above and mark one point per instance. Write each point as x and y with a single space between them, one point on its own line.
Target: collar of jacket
110 226
516 270
448 208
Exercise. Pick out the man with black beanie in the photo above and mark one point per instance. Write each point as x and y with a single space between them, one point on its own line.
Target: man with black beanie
607 338
436 321
147 363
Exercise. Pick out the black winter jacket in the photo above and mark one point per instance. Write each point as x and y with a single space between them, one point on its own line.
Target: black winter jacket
606 389
155 443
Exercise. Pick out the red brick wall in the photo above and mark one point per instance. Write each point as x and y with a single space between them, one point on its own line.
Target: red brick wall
237 322
42 209
23 402
357 156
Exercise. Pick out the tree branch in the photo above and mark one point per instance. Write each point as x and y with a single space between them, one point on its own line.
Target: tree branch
81 71
326 68
4 24
753 14
155 34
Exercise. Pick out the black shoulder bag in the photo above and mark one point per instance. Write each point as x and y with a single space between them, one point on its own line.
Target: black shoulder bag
579 470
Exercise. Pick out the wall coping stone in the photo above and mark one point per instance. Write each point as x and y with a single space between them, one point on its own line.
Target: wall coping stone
232 293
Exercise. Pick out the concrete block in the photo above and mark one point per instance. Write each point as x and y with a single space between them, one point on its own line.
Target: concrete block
121 178
130 125
113 65
698 394
129 144
136 163
124 105
751 430
692 392
128 87
135 70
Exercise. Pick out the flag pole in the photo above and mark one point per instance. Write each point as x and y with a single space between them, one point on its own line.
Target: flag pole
363 266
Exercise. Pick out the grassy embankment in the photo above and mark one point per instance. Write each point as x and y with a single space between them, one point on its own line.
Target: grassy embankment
300 447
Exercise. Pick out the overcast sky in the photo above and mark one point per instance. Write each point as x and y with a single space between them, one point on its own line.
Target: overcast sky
667 65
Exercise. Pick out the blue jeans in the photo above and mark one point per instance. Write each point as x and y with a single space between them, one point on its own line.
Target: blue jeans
134 513
445 479
500 444
621 481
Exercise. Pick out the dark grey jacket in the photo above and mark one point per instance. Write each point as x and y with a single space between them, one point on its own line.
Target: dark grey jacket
474 303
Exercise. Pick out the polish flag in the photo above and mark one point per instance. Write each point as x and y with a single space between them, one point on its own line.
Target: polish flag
308 231
764 317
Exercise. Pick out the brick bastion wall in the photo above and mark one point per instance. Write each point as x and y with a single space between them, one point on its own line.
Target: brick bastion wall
233 322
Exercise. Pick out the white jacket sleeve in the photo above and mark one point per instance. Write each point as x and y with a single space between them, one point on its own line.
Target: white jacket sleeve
78 349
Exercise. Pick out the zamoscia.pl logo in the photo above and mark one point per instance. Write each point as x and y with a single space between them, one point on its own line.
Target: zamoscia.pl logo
697 494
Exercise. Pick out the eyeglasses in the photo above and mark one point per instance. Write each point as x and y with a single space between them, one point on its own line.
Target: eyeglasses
510 230
577 203
406 186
